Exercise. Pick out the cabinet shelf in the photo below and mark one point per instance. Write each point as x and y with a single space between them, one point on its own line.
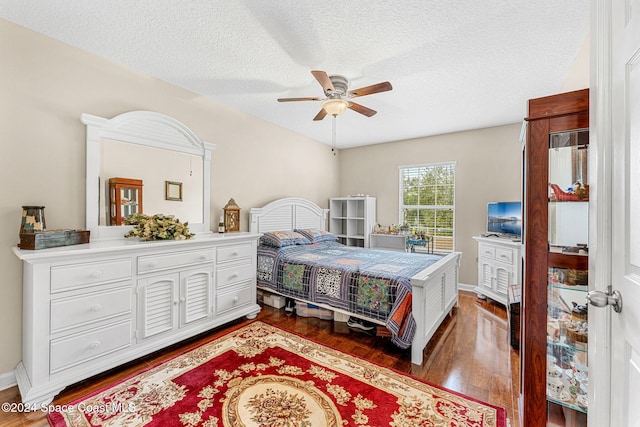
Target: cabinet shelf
352 219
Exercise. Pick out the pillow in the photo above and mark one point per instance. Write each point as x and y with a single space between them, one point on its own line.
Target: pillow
280 239
315 235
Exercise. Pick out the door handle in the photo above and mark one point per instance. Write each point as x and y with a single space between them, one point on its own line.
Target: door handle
602 299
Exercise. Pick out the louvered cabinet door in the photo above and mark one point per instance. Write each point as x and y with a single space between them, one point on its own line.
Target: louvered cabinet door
504 274
158 304
195 295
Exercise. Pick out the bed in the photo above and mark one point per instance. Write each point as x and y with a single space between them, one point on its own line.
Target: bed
408 293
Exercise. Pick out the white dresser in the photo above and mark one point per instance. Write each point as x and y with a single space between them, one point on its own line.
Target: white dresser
499 265
92 307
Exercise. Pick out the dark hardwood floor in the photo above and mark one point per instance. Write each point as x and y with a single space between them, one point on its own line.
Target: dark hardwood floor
470 353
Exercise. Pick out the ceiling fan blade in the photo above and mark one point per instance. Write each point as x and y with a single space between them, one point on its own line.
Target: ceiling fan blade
298 99
324 80
321 115
362 109
368 90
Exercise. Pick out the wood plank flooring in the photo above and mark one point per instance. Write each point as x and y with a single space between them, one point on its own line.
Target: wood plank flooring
470 353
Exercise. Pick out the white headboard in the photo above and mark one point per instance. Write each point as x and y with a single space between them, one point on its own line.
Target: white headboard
287 214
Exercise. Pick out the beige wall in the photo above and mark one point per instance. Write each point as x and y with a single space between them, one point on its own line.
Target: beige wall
46 85
488 168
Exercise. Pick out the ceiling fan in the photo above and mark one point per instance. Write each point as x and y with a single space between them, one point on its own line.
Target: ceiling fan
337 95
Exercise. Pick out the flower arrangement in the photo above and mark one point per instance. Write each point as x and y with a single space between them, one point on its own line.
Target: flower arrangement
157 227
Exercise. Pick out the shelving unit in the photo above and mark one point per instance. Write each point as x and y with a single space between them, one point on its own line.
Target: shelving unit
555 266
352 219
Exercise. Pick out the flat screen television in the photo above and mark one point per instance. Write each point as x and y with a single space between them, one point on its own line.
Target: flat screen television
504 219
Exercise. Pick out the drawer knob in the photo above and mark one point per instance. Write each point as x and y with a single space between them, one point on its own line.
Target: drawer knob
153 264
96 274
94 345
234 253
233 276
95 308
235 299
203 257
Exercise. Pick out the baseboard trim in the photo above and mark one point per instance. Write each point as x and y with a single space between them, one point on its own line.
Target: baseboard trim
7 380
464 287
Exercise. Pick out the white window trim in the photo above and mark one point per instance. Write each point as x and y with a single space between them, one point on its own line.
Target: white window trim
401 194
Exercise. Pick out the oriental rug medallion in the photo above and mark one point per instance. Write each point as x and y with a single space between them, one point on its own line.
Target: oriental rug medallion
262 376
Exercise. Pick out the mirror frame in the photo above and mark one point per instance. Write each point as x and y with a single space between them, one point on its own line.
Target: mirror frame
145 128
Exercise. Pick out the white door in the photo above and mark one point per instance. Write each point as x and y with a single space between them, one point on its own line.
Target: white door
617 102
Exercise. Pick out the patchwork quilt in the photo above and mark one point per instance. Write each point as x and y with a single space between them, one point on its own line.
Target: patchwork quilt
372 283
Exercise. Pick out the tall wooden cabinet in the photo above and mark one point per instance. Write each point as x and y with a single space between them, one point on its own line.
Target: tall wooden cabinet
554 375
125 198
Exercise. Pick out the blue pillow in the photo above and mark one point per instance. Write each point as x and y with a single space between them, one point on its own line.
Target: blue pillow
280 239
316 235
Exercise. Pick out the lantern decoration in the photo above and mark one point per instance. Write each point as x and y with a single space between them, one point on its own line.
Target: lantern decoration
32 219
231 216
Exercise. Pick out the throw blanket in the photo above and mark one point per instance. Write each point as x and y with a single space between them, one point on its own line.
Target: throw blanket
372 283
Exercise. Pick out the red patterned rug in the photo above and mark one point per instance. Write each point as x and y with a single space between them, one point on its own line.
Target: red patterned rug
260 375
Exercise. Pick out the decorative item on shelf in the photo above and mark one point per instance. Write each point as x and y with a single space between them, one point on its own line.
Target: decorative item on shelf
157 227
221 225
53 238
32 219
231 216
578 194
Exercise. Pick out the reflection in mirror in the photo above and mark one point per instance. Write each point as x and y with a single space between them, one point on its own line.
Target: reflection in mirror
153 166
568 189
153 148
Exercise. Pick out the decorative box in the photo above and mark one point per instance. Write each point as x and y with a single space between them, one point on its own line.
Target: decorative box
53 238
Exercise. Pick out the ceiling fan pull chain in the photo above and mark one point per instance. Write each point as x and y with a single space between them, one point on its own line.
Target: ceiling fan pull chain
333 135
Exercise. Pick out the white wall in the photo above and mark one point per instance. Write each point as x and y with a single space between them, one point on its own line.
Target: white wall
46 85
488 168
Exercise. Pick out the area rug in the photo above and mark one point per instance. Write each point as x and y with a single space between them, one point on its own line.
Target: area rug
260 375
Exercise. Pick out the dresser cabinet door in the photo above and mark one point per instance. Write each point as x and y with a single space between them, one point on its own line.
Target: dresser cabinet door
158 304
195 295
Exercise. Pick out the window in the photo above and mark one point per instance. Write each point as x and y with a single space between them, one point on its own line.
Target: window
427 201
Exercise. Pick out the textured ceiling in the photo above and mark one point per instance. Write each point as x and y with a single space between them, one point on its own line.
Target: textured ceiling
454 64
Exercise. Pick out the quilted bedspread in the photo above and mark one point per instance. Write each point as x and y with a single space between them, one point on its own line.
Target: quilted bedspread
372 283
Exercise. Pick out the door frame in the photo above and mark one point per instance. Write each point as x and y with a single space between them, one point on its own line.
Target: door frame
600 212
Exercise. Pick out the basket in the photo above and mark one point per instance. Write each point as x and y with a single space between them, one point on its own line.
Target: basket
576 336
577 277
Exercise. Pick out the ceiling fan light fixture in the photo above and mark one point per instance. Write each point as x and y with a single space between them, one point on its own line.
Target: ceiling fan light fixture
335 106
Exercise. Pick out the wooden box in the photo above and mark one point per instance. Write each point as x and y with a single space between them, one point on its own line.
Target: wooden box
53 238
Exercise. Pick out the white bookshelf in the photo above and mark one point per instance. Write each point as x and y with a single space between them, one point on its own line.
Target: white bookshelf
352 219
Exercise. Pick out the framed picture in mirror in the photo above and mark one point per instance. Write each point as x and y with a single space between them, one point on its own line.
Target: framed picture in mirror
173 190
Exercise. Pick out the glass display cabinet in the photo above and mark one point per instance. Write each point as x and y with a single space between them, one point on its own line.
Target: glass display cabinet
554 323
125 198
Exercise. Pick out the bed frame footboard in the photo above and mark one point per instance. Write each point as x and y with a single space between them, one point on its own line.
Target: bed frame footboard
434 294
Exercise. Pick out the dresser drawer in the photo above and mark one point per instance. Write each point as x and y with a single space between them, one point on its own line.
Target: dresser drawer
75 275
66 352
488 251
233 298
504 255
79 310
150 263
234 252
233 274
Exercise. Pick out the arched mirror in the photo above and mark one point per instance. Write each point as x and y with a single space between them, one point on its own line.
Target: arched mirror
144 156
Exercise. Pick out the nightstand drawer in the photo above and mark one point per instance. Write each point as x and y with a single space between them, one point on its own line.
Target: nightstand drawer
488 251
66 352
79 310
235 273
150 263
233 298
234 252
504 255
71 276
